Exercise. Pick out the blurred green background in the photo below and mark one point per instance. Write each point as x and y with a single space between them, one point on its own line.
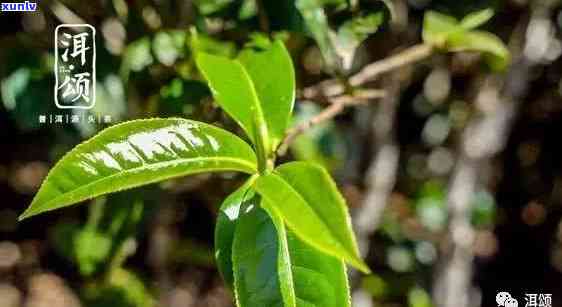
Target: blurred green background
455 153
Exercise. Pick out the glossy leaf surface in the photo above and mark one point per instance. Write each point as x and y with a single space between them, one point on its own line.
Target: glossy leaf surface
234 92
255 260
137 153
229 214
272 74
257 90
319 280
305 276
445 32
312 207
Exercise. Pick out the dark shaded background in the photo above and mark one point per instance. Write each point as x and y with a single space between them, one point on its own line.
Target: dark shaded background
163 256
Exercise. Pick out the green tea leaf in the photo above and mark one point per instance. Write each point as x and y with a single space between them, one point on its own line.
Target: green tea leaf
275 86
326 273
318 218
476 19
496 53
255 257
260 100
137 153
272 267
229 214
316 21
437 27
234 91
445 32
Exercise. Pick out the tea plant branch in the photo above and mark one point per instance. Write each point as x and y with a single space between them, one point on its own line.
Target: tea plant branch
333 87
312 229
337 105
326 90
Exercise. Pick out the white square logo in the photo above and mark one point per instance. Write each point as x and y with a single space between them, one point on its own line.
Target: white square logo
75 66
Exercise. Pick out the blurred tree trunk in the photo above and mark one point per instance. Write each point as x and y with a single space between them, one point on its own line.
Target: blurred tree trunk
485 136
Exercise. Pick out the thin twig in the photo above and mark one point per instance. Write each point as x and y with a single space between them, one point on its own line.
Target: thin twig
338 104
406 57
333 87
326 90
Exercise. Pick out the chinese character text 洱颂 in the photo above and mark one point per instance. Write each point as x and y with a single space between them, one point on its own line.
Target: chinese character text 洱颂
75 71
